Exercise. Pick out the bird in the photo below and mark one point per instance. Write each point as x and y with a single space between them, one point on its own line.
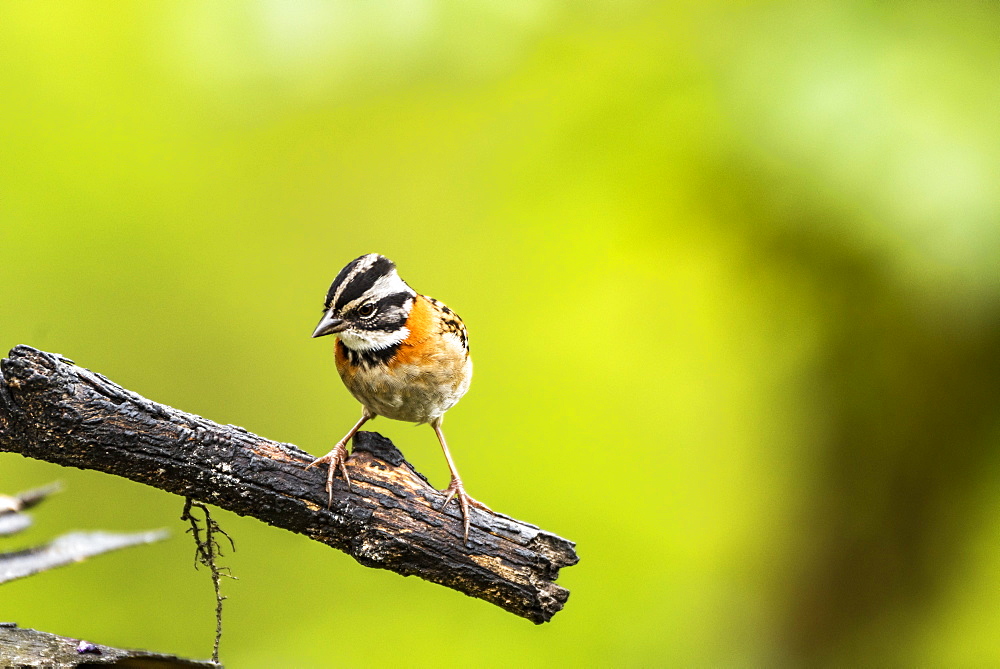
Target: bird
402 355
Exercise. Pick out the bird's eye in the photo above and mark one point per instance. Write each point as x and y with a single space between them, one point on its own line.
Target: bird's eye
366 310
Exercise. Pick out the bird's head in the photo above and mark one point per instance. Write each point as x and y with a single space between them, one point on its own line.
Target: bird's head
367 305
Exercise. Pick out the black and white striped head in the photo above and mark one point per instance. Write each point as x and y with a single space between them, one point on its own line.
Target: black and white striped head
367 305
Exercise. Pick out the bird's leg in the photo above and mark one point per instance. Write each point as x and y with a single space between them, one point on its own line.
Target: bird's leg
337 456
455 488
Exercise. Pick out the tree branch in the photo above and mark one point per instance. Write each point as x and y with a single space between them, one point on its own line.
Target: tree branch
30 648
53 410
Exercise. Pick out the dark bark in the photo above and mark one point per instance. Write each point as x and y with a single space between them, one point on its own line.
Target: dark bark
52 410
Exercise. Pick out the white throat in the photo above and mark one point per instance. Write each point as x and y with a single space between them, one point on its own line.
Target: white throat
364 340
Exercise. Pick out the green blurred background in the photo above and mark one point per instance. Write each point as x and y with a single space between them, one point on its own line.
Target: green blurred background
729 270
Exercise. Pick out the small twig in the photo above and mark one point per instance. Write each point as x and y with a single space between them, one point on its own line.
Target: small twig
205 553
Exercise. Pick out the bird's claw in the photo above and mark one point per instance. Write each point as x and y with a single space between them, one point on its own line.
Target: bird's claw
457 490
335 460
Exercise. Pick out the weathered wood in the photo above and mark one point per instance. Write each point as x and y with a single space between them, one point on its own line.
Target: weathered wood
31 648
12 516
69 549
65 550
53 410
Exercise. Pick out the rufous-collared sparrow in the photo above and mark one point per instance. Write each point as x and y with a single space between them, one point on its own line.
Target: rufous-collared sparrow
401 354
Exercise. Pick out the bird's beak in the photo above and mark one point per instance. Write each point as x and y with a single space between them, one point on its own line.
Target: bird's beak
329 325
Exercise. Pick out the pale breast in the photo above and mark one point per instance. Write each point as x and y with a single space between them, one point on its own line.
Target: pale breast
421 377
414 392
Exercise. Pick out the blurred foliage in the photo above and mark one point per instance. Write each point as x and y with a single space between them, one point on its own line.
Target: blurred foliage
729 270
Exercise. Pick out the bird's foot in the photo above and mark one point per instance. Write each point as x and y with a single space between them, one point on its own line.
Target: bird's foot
335 460
457 490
